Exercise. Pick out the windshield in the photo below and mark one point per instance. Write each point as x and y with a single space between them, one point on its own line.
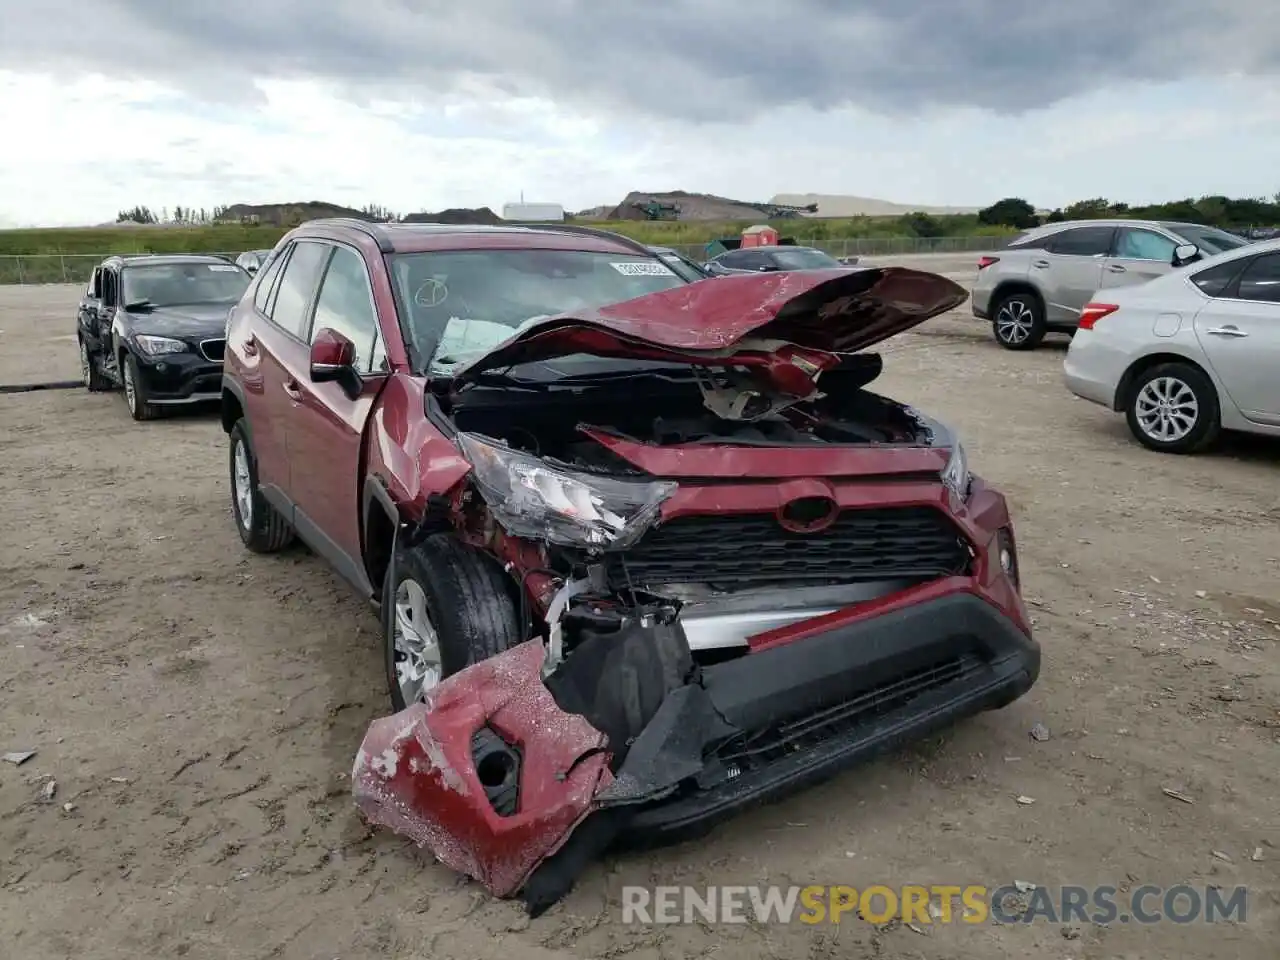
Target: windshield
802 258
458 305
180 284
1209 239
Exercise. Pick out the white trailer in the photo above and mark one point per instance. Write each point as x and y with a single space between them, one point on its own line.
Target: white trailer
533 212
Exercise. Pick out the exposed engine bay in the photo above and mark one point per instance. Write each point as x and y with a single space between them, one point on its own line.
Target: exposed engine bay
670 405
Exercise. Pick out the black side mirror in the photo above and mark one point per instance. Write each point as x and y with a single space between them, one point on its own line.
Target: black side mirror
1185 253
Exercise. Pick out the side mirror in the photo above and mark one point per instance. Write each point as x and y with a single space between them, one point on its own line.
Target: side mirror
1185 253
251 268
333 356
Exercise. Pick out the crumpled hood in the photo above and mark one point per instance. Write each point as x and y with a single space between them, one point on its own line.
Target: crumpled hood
197 321
824 311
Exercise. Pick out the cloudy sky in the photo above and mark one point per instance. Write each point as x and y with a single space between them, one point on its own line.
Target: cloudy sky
419 104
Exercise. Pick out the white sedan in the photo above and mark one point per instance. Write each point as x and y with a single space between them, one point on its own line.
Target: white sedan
1188 354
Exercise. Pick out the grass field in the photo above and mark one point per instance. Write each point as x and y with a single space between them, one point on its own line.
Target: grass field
58 255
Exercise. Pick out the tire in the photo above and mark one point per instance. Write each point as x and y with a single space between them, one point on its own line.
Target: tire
264 530
94 381
1182 384
135 390
466 597
1022 314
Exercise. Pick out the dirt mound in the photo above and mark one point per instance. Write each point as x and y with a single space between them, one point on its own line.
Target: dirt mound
688 206
288 214
479 215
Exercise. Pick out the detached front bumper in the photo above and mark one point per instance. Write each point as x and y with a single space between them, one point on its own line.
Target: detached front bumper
808 709
798 708
180 378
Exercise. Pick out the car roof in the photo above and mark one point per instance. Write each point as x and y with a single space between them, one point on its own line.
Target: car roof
161 259
424 237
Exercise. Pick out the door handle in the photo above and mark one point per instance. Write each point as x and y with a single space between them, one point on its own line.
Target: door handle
293 390
251 346
1115 268
1040 263
1228 331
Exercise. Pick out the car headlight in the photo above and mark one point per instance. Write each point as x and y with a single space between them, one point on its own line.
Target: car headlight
156 346
530 498
955 475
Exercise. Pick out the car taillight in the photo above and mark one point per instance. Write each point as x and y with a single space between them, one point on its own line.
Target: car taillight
1093 312
984 262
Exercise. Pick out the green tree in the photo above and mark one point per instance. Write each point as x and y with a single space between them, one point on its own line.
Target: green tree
1088 209
1009 212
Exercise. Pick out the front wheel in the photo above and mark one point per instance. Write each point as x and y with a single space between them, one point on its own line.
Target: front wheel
1173 408
135 390
445 606
1018 321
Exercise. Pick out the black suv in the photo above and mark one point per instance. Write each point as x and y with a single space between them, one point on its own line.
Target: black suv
156 327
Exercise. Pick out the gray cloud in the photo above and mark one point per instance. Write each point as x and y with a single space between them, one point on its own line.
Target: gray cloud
701 60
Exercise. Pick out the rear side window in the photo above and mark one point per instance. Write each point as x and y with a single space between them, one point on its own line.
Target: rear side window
1261 279
1082 241
262 295
291 311
345 304
1215 281
1028 241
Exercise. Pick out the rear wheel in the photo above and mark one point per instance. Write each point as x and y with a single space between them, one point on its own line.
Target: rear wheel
1018 321
1173 408
445 606
94 381
262 529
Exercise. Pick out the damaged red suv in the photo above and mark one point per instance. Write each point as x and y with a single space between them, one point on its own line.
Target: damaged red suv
646 551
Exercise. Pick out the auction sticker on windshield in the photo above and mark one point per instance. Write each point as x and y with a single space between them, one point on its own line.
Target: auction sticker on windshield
228 268
643 268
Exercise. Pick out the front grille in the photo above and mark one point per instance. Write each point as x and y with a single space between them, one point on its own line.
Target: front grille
212 350
741 551
751 751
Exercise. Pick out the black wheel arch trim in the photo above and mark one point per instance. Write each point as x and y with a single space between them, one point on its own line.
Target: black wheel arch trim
232 386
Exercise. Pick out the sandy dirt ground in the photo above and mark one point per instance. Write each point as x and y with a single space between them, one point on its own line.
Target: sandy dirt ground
198 707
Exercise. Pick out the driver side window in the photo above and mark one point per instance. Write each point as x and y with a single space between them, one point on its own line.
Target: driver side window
1136 244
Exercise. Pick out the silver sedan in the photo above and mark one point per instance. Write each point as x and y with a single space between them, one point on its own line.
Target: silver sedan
1189 354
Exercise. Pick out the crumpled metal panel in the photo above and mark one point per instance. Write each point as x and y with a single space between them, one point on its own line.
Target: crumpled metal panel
414 771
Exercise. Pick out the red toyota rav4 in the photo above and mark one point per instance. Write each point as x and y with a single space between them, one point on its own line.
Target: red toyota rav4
646 551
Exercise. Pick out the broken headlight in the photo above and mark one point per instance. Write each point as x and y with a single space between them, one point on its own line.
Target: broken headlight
531 498
955 475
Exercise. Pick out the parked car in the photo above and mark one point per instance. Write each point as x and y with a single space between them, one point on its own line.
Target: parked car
1039 283
252 260
155 326
771 259
633 565
1188 354
682 265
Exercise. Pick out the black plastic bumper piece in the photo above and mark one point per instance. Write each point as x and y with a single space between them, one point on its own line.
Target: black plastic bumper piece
178 377
807 710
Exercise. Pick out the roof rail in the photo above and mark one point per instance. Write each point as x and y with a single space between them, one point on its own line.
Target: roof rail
364 226
635 245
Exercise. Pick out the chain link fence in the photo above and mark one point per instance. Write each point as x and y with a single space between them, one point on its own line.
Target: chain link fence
76 267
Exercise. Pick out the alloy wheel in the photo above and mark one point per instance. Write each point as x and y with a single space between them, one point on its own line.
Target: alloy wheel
243 486
130 388
1166 409
417 649
1014 322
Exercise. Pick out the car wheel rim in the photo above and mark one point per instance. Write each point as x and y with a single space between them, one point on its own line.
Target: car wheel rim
84 363
1167 409
243 485
417 650
130 388
1014 321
